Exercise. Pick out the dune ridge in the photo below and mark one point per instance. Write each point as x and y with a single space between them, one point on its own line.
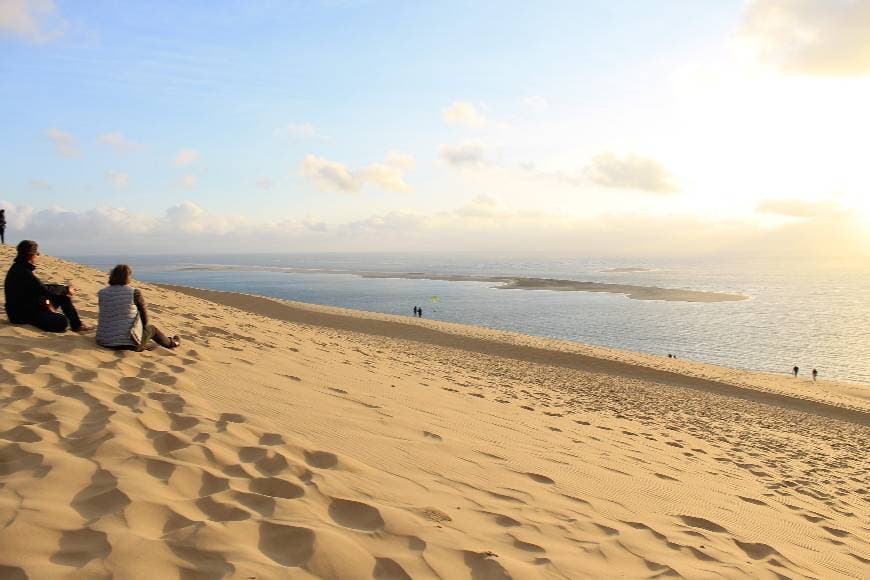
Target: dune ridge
269 448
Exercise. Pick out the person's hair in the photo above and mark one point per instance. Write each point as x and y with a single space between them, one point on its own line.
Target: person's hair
27 248
120 275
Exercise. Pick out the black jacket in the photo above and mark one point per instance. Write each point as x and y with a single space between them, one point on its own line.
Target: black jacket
25 294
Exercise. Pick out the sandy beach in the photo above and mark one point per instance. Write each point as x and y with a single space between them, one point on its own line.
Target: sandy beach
285 440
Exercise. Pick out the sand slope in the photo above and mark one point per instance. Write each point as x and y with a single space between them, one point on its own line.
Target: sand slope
265 448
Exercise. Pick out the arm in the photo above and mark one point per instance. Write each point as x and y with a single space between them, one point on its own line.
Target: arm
139 301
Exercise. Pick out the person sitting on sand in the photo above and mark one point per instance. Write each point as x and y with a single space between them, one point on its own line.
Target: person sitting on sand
29 301
123 319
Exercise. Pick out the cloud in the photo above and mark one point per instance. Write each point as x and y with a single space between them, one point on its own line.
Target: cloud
264 183
330 175
33 20
463 113
468 154
630 172
118 142
481 224
795 208
815 37
301 131
186 157
65 144
334 176
188 181
40 185
119 180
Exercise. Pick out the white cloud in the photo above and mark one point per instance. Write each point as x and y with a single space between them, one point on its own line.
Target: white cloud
330 175
265 183
118 142
817 37
186 157
40 185
468 154
119 180
334 176
65 144
463 113
188 181
301 131
630 172
34 20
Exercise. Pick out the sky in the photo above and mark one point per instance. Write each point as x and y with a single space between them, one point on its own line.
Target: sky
612 128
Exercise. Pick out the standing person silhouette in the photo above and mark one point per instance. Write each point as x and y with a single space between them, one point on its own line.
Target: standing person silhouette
795 370
815 374
2 226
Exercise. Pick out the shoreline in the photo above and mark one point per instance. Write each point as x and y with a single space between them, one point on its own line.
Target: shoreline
516 346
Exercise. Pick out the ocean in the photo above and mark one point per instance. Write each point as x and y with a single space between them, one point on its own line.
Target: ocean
795 315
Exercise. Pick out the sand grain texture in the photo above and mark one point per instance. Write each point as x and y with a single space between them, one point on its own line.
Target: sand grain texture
282 447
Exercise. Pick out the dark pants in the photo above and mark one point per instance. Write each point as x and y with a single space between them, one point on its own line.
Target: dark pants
2 234
54 321
151 332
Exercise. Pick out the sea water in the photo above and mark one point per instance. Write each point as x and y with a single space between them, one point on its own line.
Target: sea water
813 317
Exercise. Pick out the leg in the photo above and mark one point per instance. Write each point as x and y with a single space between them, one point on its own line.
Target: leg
49 321
66 305
152 332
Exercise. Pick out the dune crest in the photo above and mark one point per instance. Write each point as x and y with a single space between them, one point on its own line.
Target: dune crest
267 448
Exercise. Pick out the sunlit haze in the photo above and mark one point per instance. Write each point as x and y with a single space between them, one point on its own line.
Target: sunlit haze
614 128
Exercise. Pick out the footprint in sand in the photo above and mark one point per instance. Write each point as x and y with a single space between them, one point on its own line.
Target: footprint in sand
386 569
12 573
227 418
287 545
101 498
21 434
321 459
131 384
483 565
77 548
430 435
355 515
271 439
221 512
274 487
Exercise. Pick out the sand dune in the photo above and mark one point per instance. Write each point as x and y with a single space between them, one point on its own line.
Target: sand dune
318 442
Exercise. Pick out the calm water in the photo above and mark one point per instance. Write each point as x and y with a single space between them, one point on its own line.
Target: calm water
813 318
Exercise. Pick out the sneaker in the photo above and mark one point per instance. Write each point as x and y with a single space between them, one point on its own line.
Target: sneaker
84 328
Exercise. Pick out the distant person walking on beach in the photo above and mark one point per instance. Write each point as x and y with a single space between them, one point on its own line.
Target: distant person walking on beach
2 226
416 309
795 370
123 320
29 301
815 374
419 312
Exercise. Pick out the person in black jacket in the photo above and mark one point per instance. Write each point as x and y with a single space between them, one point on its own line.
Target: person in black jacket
29 301
2 226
